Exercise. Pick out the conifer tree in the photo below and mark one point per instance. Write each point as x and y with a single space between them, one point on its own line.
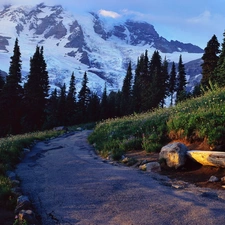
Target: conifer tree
62 106
71 102
181 81
93 108
137 90
36 92
127 92
104 105
52 111
210 59
2 82
172 83
219 72
163 82
11 96
83 99
154 96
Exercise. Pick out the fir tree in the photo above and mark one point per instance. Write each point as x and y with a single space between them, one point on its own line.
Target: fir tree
172 83
71 104
127 92
104 104
93 108
52 111
83 99
36 92
156 80
2 82
181 81
210 59
11 96
219 72
163 82
62 106
136 91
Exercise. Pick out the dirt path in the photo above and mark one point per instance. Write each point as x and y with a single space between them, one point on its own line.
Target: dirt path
68 184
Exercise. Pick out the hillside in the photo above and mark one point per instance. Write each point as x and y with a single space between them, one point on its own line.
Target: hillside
199 120
85 42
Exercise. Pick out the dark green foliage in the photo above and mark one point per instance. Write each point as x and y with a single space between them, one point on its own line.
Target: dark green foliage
36 93
2 82
83 99
11 96
126 97
172 83
61 116
71 104
219 72
104 110
210 59
181 81
93 108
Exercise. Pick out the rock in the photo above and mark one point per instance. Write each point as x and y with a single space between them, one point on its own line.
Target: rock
213 179
174 154
23 203
143 167
60 128
153 167
125 160
208 158
27 215
223 180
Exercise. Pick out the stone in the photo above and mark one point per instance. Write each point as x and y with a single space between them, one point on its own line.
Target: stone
223 180
60 128
153 167
23 203
143 167
208 158
213 179
175 154
27 215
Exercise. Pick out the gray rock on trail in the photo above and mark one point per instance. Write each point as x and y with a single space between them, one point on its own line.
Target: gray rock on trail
175 154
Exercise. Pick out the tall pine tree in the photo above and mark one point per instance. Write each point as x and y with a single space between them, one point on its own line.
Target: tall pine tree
181 81
36 92
71 103
11 96
83 99
126 103
172 83
210 59
219 72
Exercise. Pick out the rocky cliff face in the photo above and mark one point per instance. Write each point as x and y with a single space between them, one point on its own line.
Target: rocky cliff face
83 43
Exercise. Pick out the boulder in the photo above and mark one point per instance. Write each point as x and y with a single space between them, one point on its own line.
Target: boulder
153 167
213 179
174 154
28 216
208 158
23 203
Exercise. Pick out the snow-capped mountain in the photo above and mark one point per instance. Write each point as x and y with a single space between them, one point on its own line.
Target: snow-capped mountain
89 42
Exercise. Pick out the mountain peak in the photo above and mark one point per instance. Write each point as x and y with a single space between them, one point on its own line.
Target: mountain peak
100 45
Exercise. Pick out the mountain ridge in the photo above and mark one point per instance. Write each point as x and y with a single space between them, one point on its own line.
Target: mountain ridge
84 43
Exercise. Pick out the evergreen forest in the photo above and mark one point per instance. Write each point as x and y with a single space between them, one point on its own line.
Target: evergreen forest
29 106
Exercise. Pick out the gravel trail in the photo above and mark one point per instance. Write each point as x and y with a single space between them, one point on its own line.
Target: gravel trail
68 184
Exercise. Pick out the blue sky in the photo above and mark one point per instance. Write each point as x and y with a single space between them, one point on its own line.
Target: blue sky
192 21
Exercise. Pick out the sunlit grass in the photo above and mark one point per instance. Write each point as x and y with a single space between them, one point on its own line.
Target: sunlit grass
197 119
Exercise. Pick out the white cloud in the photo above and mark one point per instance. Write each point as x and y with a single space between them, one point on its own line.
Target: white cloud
109 13
203 18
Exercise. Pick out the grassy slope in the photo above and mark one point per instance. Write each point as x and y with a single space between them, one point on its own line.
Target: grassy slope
200 119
